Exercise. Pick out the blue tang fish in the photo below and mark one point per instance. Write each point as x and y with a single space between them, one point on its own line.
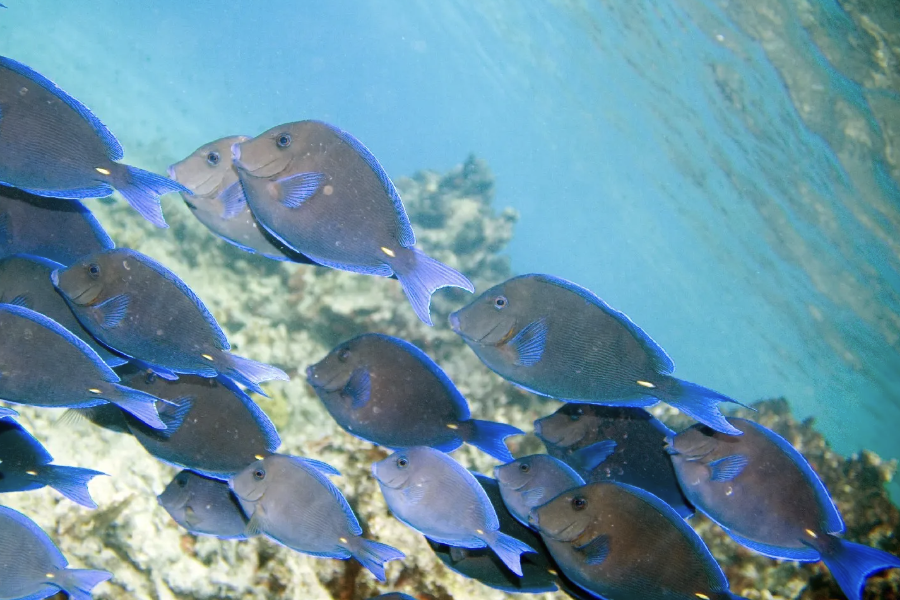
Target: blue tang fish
321 192
43 364
61 230
137 307
374 385
25 281
558 339
52 145
534 480
25 465
765 495
622 543
432 493
33 568
291 500
217 200
614 443
204 506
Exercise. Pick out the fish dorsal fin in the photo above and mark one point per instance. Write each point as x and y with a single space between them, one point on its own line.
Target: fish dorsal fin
112 311
300 187
590 457
113 148
315 469
458 554
273 440
56 557
318 465
358 388
596 550
529 343
233 200
726 469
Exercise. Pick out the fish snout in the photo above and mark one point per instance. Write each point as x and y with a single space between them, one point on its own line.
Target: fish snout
533 518
311 374
236 154
54 277
170 171
454 322
669 445
537 427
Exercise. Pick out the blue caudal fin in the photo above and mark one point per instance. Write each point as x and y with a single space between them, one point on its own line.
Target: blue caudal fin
71 482
298 188
358 388
142 190
850 564
78 583
250 373
509 549
421 276
488 437
372 555
695 401
140 404
592 456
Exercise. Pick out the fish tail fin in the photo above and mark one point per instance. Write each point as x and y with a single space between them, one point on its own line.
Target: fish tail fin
488 437
696 401
142 190
140 404
850 564
509 549
421 276
250 373
71 482
372 555
78 583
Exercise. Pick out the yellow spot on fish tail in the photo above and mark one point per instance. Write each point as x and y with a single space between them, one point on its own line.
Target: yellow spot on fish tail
452 426
645 384
32 473
94 390
552 572
102 171
811 533
479 532
207 357
259 457
50 576
388 251
328 190
702 596
343 540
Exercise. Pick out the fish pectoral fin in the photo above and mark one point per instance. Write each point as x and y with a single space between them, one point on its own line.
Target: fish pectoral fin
726 469
21 300
233 200
458 554
533 496
529 343
596 550
174 417
257 523
413 494
297 189
590 457
111 312
358 388
190 517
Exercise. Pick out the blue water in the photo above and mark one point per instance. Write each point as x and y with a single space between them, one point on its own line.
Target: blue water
731 194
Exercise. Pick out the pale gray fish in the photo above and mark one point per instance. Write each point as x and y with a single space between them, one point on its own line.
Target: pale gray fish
204 506
531 481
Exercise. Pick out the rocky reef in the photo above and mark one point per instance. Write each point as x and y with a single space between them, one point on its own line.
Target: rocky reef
291 316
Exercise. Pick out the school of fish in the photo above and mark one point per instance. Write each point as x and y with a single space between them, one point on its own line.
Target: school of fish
117 338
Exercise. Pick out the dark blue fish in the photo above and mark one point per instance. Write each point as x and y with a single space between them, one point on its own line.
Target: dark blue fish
558 339
621 542
765 495
608 443
374 385
45 365
25 465
39 568
204 506
61 230
25 281
291 500
531 481
432 493
137 307
321 192
52 145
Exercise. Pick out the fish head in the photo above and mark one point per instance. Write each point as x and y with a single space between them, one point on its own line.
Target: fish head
490 319
398 470
177 495
208 170
567 516
250 484
518 474
567 426
83 282
694 444
271 152
333 372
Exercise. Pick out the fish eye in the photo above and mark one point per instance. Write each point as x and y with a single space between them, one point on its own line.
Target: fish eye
579 503
94 270
259 474
150 377
524 467
577 414
213 158
500 302
344 354
402 462
284 140
181 481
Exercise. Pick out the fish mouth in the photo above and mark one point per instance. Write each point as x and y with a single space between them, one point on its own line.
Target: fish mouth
236 161
323 386
77 298
474 340
563 534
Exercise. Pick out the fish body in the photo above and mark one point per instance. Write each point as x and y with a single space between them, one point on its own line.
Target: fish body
614 443
212 427
52 145
33 567
767 497
388 392
25 281
555 338
43 364
25 465
621 542
60 230
531 481
291 500
432 493
321 192
204 506
137 307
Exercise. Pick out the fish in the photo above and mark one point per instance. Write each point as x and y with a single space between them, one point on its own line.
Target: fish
767 497
60 230
212 427
393 596
7 412
53 145
217 200
140 309
43 364
621 542
107 416
26 465
614 443
291 500
204 506
40 568
25 281
534 480
555 338
433 494
373 385
320 191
